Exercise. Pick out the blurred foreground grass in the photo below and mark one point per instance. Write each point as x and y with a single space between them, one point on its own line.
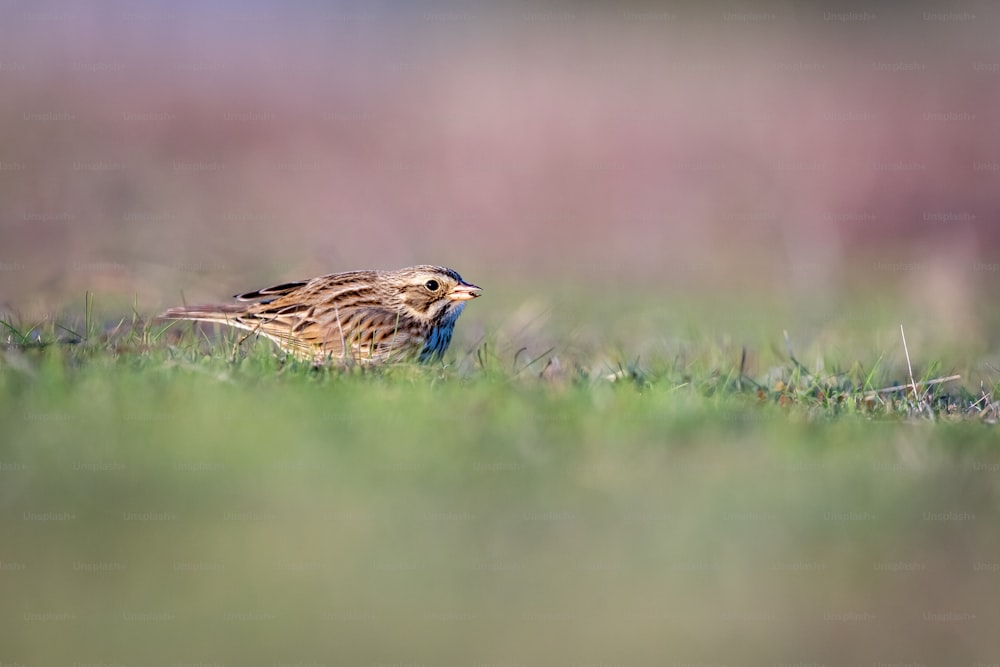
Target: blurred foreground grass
163 508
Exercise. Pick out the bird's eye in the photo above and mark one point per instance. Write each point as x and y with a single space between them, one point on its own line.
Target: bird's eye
432 285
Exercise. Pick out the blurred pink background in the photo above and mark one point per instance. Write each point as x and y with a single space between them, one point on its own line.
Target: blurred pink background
780 150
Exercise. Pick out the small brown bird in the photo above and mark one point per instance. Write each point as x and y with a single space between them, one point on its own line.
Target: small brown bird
360 316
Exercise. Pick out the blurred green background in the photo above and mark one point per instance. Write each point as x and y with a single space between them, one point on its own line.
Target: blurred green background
639 184
179 516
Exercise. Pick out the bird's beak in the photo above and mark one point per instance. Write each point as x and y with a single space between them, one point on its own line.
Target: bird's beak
464 291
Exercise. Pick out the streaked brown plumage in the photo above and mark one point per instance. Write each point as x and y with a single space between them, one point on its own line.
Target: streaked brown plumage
360 316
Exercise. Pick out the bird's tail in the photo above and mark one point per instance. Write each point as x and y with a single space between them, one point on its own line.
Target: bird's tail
226 314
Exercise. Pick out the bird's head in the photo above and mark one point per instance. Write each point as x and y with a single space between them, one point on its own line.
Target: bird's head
432 293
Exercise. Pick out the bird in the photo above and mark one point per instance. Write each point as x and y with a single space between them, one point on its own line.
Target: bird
365 317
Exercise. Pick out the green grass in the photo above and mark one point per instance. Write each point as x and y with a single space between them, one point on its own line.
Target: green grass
164 503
